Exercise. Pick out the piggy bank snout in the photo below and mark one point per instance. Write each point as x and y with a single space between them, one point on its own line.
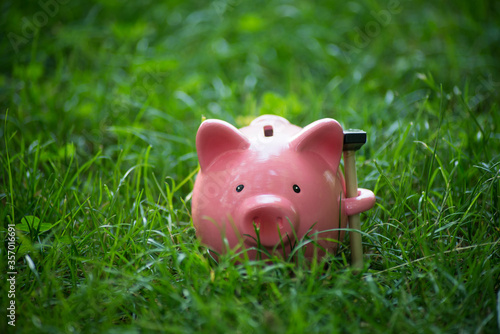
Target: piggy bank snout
269 220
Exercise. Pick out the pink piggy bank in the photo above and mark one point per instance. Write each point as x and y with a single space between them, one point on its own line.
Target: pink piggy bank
269 184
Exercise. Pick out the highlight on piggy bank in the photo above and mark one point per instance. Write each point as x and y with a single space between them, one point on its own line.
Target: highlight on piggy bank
269 184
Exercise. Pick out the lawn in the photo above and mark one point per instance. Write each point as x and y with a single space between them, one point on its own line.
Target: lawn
100 102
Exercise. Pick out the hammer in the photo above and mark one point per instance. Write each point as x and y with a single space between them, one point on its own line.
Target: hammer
353 140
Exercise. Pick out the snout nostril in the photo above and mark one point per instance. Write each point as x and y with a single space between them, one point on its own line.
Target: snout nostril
256 221
279 221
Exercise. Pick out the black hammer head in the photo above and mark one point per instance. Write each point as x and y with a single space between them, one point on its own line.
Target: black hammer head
354 139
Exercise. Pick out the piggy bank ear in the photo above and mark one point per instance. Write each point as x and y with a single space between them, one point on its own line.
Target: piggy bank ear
215 138
324 137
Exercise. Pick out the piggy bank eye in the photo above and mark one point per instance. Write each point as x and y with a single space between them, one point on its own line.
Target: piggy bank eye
240 188
296 188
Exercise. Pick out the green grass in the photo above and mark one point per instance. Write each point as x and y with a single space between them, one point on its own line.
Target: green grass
99 110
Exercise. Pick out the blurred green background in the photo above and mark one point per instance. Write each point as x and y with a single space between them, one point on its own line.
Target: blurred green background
89 68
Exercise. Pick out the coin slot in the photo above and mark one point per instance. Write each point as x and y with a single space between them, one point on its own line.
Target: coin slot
268 131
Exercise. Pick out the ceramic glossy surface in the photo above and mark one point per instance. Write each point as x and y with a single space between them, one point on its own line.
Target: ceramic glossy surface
271 183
